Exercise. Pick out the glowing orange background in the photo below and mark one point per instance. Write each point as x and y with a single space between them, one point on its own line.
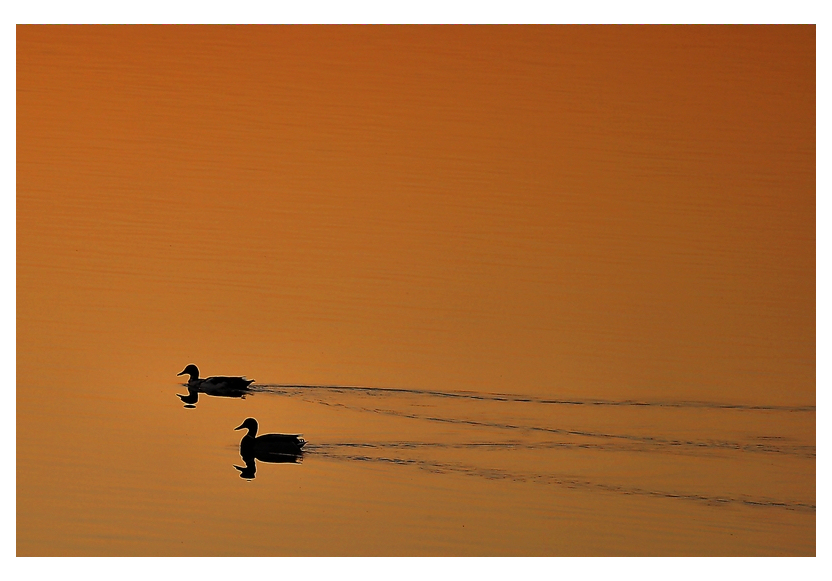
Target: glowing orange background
612 212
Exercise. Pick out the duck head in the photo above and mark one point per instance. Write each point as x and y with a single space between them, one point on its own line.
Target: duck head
191 370
249 424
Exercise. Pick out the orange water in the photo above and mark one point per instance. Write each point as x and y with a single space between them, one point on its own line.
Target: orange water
613 227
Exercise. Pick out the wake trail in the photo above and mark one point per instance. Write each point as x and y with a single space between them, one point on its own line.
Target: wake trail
569 482
669 443
517 398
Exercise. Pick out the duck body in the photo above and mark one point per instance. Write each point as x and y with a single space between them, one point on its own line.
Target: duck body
262 447
214 384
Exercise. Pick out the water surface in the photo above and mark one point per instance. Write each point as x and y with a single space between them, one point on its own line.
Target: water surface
524 290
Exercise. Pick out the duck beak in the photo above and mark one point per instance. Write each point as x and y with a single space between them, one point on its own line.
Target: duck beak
241 426
181 373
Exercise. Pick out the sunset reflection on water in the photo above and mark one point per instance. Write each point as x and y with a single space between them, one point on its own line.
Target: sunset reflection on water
523 290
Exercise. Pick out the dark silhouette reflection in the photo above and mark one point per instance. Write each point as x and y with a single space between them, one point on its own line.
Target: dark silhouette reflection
192 398
250 468
273 448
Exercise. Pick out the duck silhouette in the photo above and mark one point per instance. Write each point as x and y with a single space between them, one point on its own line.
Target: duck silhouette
262 447
214 384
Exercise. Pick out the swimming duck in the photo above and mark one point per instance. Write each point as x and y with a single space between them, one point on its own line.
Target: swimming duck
267 444
218 383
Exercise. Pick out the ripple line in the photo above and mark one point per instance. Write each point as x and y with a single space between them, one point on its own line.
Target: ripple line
800 451
567 482
515 398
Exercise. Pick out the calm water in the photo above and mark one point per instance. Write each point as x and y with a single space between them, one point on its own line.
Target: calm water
523 290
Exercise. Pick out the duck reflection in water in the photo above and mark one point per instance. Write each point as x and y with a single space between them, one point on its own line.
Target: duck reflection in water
273 448
192 398
219 386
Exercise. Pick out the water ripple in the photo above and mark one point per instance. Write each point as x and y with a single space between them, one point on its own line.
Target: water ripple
564 481
515 398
